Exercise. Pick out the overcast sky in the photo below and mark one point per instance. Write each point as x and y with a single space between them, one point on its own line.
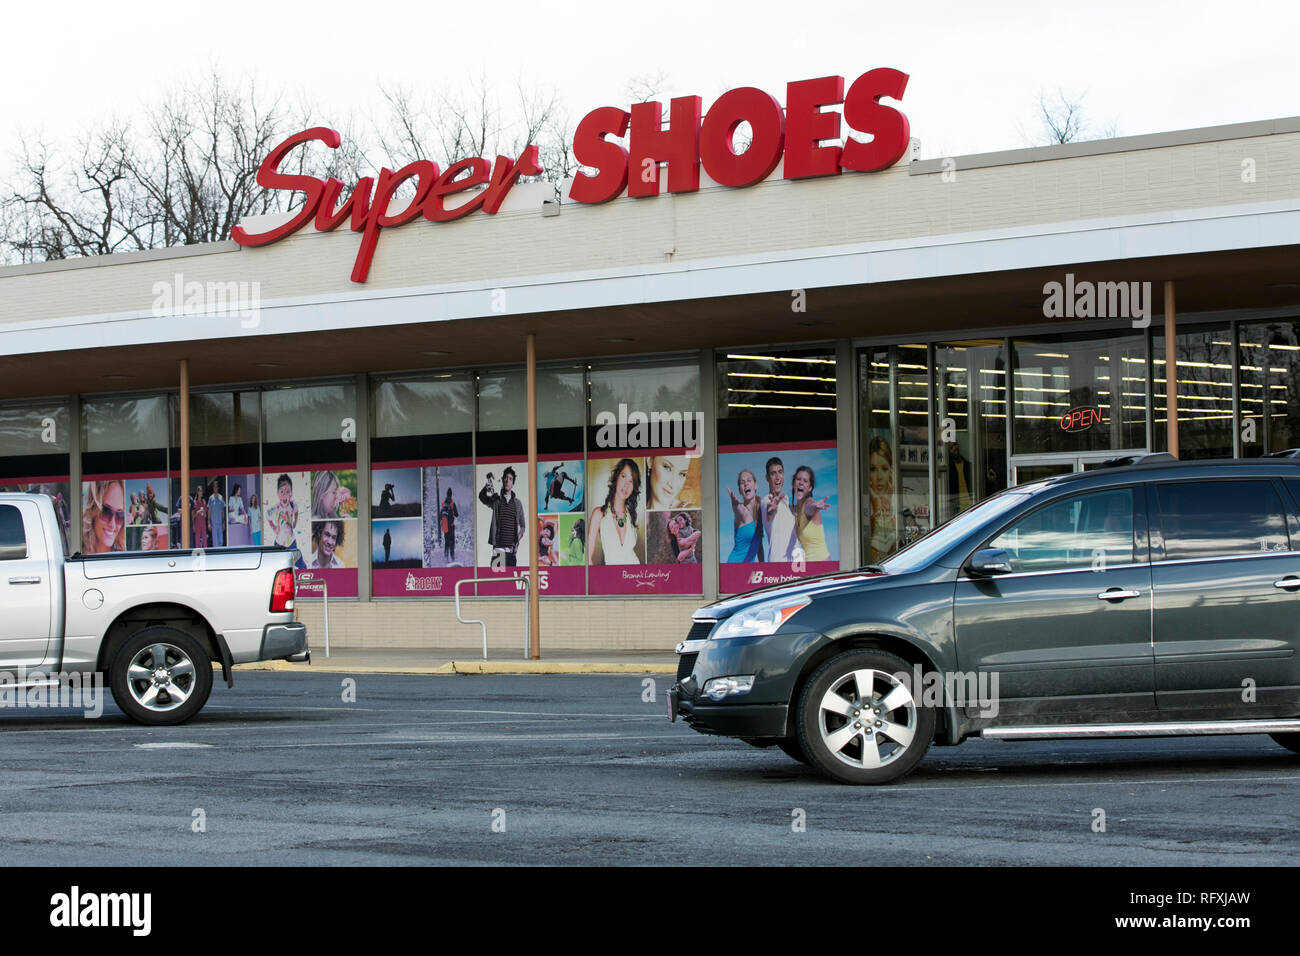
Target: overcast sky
976 69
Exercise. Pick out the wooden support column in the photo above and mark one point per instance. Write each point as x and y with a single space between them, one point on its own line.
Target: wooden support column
185 454
1171 371
534 525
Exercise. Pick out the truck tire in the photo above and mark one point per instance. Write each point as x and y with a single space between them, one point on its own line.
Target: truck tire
160 676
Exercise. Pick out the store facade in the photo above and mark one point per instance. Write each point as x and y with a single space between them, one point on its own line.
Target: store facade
734 386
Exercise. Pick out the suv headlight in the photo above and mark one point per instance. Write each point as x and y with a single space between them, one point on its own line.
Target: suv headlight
761 620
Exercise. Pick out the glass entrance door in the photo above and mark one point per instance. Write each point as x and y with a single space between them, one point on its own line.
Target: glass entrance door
1027 468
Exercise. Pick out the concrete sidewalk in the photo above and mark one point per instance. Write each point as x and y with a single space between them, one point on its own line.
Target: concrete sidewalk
407 660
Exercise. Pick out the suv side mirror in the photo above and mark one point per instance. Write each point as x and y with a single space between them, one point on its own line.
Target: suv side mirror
990 561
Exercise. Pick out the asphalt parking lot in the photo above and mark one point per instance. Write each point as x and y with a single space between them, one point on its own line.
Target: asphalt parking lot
560 769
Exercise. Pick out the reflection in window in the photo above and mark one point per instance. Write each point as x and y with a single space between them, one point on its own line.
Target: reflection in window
1075 394
1204 380
1206 519
1089 531
971 416
893 392
1270 387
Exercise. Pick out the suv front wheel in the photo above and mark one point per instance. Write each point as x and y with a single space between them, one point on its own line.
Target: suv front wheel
859 721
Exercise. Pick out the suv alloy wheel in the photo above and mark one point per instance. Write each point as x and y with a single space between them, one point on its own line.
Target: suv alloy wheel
859 721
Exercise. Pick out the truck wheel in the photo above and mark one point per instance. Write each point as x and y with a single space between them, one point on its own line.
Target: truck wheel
1289 741
859 721
161 676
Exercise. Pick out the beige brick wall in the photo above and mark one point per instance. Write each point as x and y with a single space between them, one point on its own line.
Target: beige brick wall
774 215
589 624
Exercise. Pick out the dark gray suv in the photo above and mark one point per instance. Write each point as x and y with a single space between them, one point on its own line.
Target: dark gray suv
1149 597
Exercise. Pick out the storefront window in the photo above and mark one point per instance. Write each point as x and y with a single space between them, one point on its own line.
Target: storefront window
124 493
308 493
1204 380
1270 387
971 424
1079 395
894 396
642 521
225 471
421 484
778 470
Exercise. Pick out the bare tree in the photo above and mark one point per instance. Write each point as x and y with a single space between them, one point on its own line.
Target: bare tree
208 141
477 121
1062 118
88 206
644 87
187 174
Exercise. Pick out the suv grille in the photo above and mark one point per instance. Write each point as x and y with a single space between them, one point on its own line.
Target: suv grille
685 664
700 630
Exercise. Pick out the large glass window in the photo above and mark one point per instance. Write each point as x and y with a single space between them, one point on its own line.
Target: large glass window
642 522
1270 387
421 484
1204 380
1074 394
893 392
971 423
125 493
308 493
778 470
1087 531
1205 519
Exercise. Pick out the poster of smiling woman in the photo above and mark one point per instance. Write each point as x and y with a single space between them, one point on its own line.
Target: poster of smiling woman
778 514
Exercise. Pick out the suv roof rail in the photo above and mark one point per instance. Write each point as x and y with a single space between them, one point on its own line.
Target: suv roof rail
1152 458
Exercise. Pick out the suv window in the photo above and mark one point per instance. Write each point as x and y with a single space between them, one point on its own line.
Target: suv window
13 543
1208 519
1092 530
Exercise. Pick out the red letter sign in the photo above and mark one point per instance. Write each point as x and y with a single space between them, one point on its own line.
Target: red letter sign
270 177
765 118
864 112
678 146
591 148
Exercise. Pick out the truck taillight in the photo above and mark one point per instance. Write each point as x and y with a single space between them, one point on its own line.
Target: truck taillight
282 592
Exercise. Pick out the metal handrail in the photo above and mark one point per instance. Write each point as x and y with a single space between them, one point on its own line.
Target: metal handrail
325 606
482 624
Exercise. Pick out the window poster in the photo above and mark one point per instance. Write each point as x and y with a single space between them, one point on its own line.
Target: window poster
778 514
561 525
421 527
122 513
502 498
644 523
316 512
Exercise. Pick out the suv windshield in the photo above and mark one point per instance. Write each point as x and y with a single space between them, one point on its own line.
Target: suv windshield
922 552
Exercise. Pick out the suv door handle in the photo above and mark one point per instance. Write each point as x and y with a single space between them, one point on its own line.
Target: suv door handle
1115 594
37 580
1288 583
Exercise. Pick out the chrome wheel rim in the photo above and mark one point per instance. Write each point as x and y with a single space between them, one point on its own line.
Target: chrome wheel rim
161 677
867 719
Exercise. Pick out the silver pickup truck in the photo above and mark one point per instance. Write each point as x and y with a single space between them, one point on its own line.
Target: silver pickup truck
152 622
